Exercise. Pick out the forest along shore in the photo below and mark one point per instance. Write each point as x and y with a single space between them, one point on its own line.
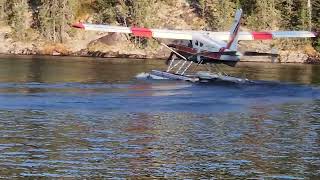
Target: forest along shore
30 27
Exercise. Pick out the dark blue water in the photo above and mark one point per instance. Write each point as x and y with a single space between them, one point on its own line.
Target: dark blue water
91 118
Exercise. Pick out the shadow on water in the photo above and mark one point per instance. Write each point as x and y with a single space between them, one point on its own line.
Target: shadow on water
89 118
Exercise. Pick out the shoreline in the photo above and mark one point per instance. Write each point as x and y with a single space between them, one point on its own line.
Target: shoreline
116 46
128 57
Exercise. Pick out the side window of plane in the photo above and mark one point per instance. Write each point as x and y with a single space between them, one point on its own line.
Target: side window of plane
190 44
197 43
201 44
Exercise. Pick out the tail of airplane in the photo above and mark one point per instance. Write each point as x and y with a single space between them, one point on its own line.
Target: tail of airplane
234 32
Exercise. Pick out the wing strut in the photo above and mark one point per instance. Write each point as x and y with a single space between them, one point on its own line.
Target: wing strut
172 50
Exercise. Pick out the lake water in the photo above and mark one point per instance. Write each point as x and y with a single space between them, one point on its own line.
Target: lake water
91 118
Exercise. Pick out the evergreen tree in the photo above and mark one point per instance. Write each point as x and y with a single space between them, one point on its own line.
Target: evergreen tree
316 22
287 14
142 12
303 15
54 18
316 13
218 13
265 16
105 10
18 17
3 14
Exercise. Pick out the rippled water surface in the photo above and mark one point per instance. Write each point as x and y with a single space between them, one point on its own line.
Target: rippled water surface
91 118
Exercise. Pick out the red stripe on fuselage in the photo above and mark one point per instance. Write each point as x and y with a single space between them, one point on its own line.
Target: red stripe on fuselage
192 51
261 35
185 49
141 32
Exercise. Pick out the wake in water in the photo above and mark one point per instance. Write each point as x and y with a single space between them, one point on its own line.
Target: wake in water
221 82
147 94
201 77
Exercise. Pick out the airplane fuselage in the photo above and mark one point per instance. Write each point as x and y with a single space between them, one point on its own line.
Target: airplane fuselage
202 56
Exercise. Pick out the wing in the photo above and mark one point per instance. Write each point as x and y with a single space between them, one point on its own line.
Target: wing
188 35
136 31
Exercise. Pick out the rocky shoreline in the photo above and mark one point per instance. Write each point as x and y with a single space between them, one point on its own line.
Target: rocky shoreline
117 46
283 57
33 50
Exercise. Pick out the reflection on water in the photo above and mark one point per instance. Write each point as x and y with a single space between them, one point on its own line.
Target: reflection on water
60 69
86 118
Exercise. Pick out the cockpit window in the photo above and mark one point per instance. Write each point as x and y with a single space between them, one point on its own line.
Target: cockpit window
197 43
201 44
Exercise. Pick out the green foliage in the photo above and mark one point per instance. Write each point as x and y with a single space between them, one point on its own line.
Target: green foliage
248 6
265 16
303 17
288 15
52 18
3 15
316 13
218 14
316 44
142 12
316 22
138 13
18 17
105 10
126 12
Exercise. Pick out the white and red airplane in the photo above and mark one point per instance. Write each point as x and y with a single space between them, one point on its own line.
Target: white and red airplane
199 47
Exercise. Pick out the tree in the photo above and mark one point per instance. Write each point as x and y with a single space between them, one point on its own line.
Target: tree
217 13
3 14
18 17
316 22
105 10
316 12
288 17
265 16
303 15
54 18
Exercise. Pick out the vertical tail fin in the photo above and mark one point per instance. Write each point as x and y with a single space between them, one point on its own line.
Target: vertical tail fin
234 32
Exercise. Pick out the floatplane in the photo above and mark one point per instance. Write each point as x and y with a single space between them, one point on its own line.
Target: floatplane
199 48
